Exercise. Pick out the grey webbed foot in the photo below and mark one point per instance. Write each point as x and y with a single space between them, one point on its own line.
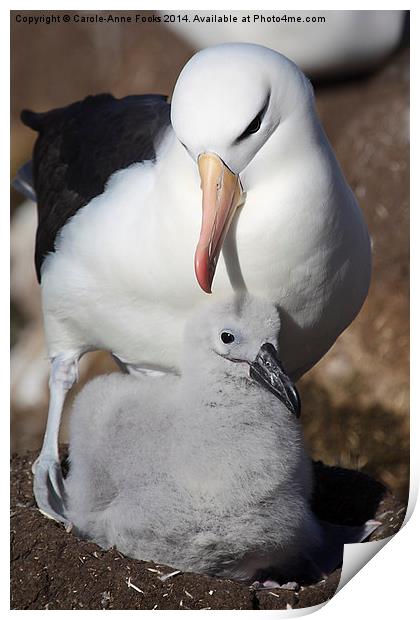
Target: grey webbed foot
49 489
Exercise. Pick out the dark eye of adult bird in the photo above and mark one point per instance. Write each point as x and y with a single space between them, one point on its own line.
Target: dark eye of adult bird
253 127
227 337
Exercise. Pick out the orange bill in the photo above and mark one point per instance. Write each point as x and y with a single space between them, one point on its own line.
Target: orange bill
222 194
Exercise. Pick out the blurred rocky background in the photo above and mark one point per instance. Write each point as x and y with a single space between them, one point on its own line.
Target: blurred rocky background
356 400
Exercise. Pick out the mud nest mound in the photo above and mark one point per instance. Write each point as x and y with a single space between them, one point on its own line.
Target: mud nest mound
52 569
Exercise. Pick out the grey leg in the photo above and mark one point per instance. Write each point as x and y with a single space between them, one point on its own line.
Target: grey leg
48 480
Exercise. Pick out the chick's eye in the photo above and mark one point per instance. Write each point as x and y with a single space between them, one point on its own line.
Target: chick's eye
227 337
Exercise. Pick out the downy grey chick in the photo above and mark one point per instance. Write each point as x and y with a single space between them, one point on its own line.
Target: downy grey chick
206 471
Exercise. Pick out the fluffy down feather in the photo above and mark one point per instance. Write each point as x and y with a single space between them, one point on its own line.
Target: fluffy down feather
205 471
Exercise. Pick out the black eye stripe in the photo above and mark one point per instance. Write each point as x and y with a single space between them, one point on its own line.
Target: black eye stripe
186 148
253 127
255 124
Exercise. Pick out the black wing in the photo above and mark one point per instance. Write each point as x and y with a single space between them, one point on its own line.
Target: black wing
80 146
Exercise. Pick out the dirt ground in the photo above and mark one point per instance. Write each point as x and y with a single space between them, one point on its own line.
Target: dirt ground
52 569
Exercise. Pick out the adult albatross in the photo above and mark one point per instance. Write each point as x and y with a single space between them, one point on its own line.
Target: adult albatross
135 195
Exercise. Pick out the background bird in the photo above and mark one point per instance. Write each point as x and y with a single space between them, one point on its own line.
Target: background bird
329 44
119 279
206 471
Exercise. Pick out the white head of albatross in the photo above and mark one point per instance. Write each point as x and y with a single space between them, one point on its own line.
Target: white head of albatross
243 92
